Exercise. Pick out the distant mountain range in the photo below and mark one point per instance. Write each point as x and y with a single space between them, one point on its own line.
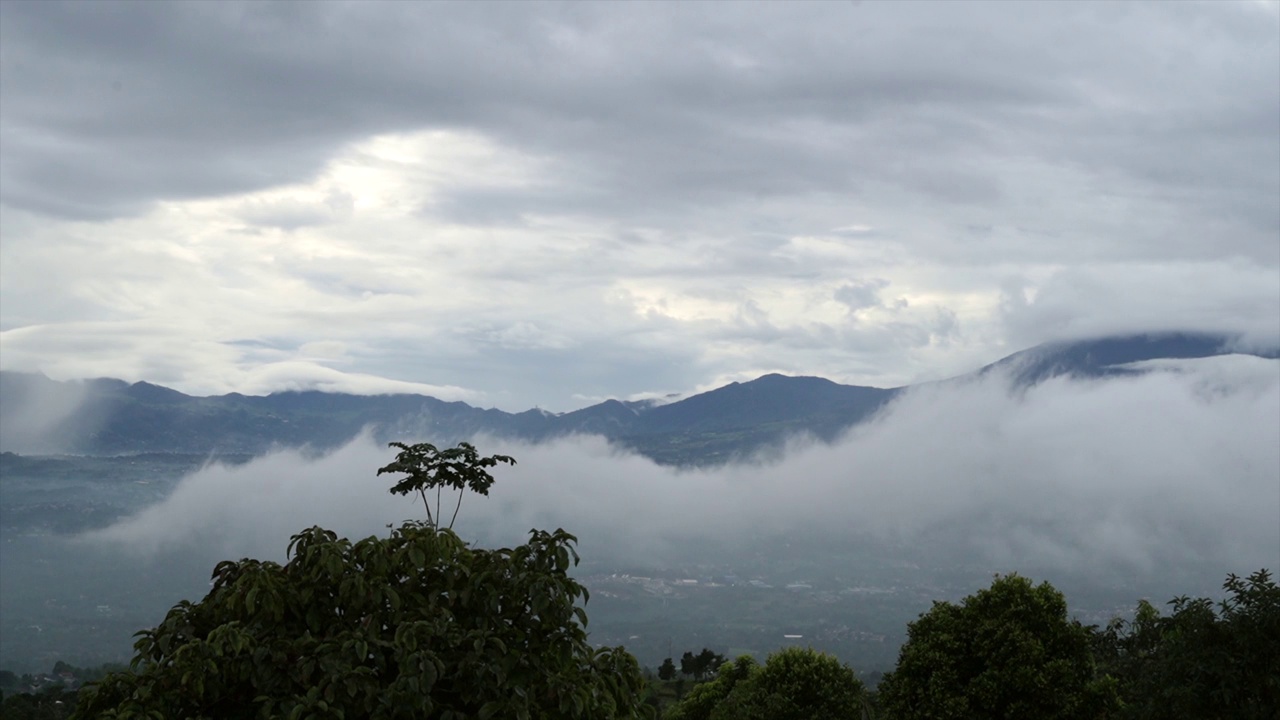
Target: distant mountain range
111 417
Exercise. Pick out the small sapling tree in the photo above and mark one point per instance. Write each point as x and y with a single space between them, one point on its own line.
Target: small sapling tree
426 467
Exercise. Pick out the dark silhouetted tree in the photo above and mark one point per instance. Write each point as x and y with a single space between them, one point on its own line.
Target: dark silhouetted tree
1205 660
701 665
425 468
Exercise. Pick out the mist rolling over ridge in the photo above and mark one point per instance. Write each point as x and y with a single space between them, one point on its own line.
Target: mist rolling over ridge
1173 470
1116 467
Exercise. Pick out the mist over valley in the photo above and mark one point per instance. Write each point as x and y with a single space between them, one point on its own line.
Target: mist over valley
1120 468
858 359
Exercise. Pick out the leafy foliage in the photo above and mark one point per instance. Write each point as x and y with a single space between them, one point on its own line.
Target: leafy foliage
702 701
796 684
1199 662
426 467
53 703
667 671
415 625
793 684
1009 651
702 665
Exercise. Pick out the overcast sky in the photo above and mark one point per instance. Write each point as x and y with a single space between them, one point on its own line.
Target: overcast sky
549 204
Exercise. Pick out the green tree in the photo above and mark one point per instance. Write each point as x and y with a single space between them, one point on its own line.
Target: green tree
700 666
667 671
708 663
415 625
1007 652
703 700
425 467
793 684
796 684
1203 660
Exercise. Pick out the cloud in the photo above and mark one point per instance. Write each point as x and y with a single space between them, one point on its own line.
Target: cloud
152 354
251 509
1229 295
434 183
32 410
296 375
291 213
1175 470
643 103
860 294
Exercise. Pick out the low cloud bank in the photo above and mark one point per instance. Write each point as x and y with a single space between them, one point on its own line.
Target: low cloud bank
1175 469
32 411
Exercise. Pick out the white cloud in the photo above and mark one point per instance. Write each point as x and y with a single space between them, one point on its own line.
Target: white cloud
1174 470
539 203
297 375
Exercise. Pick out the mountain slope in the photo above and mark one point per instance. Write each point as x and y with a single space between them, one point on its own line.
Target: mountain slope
1105 357
110 417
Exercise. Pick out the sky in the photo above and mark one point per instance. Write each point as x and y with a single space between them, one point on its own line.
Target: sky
545 204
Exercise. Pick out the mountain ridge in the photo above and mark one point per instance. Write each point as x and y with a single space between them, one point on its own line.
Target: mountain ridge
106 416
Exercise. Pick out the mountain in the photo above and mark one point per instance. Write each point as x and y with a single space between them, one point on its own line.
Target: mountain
1108 356
111 417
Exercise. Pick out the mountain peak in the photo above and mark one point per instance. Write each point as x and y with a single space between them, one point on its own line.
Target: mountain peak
1107 356
111 417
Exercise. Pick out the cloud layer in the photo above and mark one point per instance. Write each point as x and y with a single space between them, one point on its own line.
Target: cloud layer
1173 471
527 202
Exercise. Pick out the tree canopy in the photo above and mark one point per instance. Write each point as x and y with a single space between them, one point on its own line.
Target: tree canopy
793 684
702 665
704 699
1006 652
1203 660
415 625
426 467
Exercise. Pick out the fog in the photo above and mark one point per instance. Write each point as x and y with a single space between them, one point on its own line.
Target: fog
1175 470
32 412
